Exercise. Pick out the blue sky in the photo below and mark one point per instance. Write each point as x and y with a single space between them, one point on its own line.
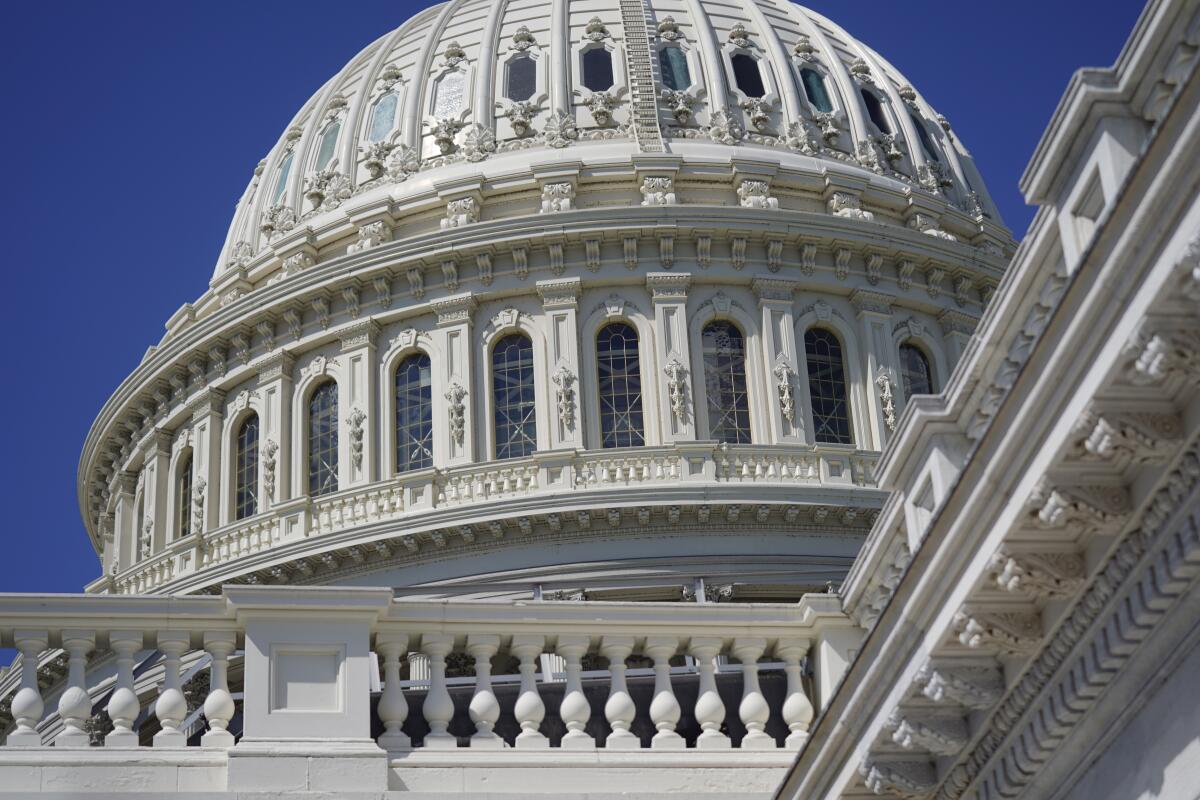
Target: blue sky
133 126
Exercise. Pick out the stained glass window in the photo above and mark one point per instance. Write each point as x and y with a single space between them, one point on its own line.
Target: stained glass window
522 78
323 440
827 387
814 90
414 413
724 350
672 62
327 150
448 99
620 381
513 394
383 116
597 69
183 499
281 182
914 371
246 469
875 111
923 134
747 75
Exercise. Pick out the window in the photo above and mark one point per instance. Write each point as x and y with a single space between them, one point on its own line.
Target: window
448 99
923 135
383 116
281 182
597 69
914 371
512 392
522 78
620 386
827 387
245 496
414 413
183 497
328 146
747 75
672 63
724 350
875 111
323 440
814 90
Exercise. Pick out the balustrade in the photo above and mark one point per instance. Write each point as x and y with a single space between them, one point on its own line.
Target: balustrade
139 643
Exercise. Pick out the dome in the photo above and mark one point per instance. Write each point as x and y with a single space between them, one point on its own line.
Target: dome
600 296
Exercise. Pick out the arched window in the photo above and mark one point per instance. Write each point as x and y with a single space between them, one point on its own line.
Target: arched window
183 496
875 111
923 134
414 413
522 78
827 387
449 97
513 395
672 63
323 440
245 496
597 69
620 382
914 371
328 146
815 91
285 169
383 117
747 75
724 350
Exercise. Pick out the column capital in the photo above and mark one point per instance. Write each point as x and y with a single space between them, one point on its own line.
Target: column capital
210 403
455 310
776 290
868 302
362 334
668 286
274 366
957 322
560 293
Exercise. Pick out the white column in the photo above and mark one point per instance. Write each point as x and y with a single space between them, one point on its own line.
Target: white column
797 708
393 707
171 706
27 705
753 709
438 707
664 708
123 706
156 459
672 353
529 708
781 363
275 430
710 710
957 328
218 706
207 414
875 348
358 408
453 383
484 708
619 710
124 488
575 709
560 300
75 704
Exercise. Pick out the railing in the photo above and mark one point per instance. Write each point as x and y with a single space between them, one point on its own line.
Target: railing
306 661
427 492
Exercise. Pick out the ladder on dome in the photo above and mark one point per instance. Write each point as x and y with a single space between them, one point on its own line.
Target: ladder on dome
643 76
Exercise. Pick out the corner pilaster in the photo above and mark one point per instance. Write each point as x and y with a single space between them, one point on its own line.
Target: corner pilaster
669 293
560 300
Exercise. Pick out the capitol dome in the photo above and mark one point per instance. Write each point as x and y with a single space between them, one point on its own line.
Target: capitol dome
595 297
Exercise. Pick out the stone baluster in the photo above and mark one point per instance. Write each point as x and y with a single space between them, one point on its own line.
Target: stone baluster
797 708
664 708
438 707
75 704
218 706
710 711
484 708
123 706
27 705
575 709
171 706
393 708
619 709
529 708
753 709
